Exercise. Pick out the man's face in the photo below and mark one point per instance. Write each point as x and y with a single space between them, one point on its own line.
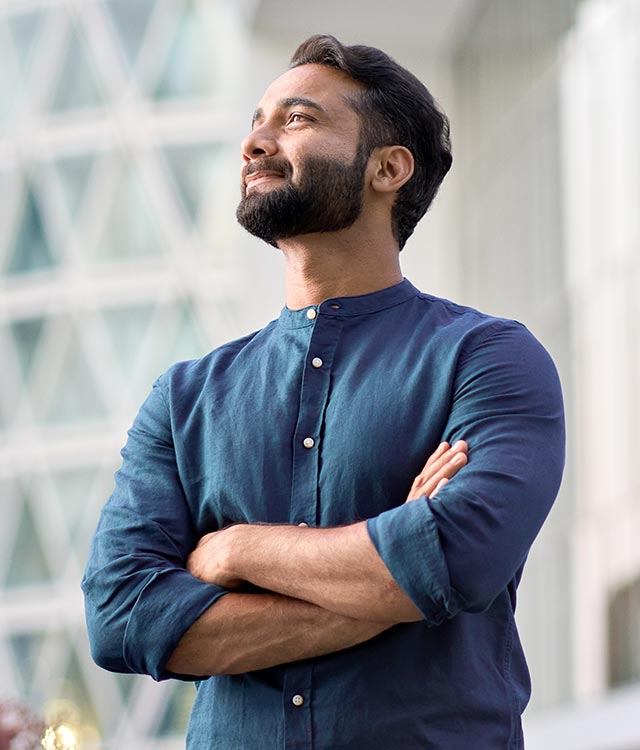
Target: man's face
304 167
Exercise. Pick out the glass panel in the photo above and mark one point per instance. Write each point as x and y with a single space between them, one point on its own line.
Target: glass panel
76 398
77 87
31 250
26 335
128 326
9 88
28 563
8 396
130 18
188 342
74 491
624 636
101 489
24 29
25 648
73 174
189 70
9 498
176 714
193 169
4 417
131 230
11 192
75 689
126 683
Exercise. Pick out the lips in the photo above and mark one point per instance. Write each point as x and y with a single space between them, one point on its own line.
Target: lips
263 175
264 170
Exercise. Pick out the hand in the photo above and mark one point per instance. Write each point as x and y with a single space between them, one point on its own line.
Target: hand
442 465
212 559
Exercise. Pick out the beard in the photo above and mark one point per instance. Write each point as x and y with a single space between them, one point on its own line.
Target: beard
327 198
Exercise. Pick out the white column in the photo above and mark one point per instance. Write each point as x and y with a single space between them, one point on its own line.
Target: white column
600 106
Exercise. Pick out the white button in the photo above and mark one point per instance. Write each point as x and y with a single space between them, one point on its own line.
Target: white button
311 313
308 442
297 700
317 362
302 523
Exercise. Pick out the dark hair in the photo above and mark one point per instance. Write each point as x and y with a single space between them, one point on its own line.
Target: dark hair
395 109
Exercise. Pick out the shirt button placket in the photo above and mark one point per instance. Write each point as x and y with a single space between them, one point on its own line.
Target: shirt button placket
324 334
297 702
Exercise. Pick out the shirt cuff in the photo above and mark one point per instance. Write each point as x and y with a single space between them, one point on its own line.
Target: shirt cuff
165 609
406 538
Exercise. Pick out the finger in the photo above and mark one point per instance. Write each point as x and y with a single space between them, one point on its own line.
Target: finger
431 469
439 451
444 458
435 456
447 471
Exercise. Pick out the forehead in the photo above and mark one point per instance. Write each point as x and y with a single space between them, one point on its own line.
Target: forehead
329 87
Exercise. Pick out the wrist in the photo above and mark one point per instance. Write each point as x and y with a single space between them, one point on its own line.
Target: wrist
254 551
238 547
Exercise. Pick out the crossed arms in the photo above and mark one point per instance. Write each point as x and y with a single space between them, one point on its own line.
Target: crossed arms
325 589
330 589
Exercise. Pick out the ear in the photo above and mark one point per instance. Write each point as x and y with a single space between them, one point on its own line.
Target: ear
393 167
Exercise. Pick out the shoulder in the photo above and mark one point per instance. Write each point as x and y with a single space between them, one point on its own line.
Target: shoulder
466 327
447 312
475 341
189 379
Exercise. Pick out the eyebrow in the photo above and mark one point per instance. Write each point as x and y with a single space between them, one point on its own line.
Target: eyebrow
292 101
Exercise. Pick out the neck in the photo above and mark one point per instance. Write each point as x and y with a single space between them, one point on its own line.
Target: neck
321 266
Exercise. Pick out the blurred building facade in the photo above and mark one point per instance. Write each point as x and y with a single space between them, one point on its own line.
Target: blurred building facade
119 129
118 174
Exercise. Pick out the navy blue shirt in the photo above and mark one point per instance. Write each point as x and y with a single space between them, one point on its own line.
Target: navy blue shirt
378 381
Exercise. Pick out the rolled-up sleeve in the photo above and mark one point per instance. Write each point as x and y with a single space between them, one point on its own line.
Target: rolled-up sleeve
139 599
458 551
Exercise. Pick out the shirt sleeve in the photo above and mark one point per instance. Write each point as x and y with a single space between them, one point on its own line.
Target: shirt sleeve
139 599
458 551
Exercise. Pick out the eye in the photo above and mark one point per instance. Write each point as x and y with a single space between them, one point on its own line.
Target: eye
296 117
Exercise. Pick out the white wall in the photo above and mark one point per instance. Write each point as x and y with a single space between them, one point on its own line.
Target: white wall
600 149
601 139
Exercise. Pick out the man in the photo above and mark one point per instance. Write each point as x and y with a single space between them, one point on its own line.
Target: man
273 522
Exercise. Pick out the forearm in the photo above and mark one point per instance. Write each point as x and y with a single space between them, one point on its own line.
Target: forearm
246 632
337 569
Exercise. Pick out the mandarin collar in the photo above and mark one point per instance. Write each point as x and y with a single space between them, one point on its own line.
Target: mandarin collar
337 307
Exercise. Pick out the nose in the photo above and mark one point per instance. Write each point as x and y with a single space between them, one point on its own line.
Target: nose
259 142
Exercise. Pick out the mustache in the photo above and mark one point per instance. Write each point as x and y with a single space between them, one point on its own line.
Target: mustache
268 164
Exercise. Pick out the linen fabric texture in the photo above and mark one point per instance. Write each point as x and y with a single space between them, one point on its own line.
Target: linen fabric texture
220 440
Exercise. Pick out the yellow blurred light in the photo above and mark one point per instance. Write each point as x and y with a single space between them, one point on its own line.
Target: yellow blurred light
59 738
88 735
